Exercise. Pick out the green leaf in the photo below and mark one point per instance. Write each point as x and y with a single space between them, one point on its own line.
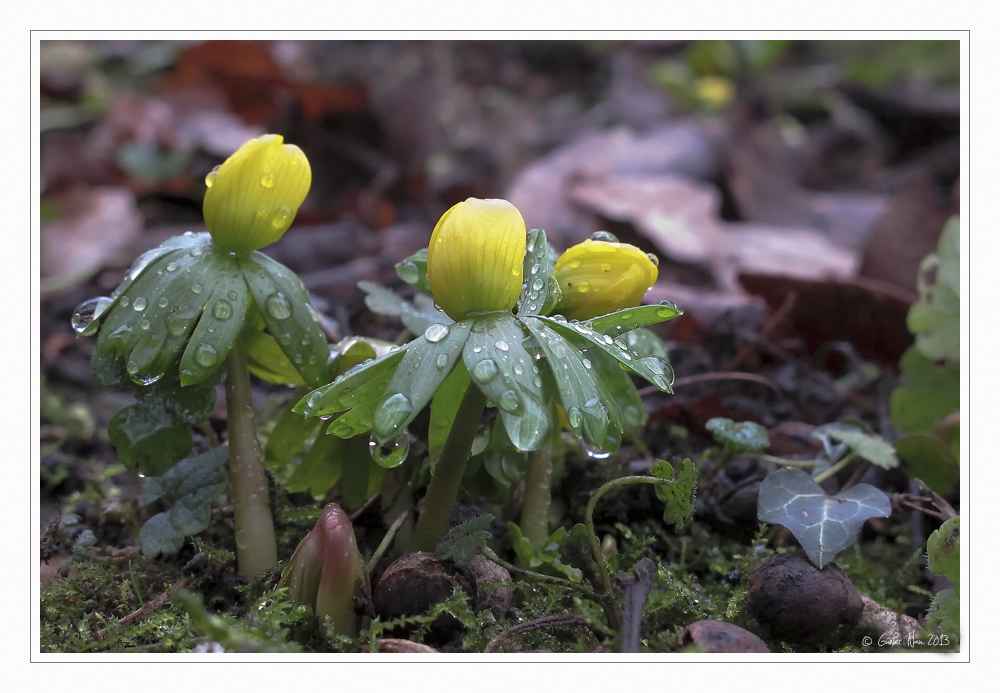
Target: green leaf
545 558
746 436
189 488
362 477
462 542
413 271
444 408
220 324
289 435
151 434
869 446
936 319
537 263
417 318
824 525
929 459
321 466
429 359
927 392
359 385
652 368
499 365
944 550
267 361
590 410
678 494
283 302
627 319
618 384
646 343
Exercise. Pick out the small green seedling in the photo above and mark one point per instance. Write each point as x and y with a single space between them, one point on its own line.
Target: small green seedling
203 306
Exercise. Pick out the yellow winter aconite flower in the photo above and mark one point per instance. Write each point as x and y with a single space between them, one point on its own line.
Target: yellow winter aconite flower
253 196
600 277
476 256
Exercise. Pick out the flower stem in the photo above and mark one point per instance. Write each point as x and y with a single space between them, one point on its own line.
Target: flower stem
443 489
537 495
256 549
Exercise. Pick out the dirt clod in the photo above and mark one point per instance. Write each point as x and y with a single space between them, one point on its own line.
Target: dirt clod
719 636
796 601
413 584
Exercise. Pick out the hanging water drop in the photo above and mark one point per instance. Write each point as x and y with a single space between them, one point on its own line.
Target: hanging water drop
212 175
278 307
594 452
436 332
408 272
392 454
87 315
604 236
652 258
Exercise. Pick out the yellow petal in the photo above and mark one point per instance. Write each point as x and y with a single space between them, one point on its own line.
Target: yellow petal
599 277
476 256
253 196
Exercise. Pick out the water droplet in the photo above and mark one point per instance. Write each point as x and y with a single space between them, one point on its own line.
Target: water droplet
197 252
518 370
582 287
535 268
575 264
594 452
391 454
248 411
177 325
132 367
197 288
511 403
408 272
172 267
212 175
390 415
312 400
575 418
298 359
605 266
285 340
341 429
278 306
652 258
262 211
87 315
139 304
282 217
125 301
586 363
145 378
267 180
477 350
558 349
162 302
537 285
502 345
144 324
223 309
485 371
305 340
441 362
436 332
625 355
232 295
205 355
537 381
604 236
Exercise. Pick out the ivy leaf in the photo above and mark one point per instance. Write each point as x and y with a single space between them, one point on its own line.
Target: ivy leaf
464 541
678 494
824 525
741 437
189 487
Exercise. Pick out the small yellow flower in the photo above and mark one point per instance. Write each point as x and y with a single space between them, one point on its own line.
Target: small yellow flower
254 195
476 256
600 277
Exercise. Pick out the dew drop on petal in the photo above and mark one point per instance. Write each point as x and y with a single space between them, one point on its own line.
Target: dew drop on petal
267 180
575 418
502 345
605 236
223 310
441 362
511 403
436 332
197 288
205 355
87 315
139 304
278 307
485 371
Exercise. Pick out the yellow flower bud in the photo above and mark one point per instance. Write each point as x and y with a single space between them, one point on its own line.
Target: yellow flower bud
253 197
599 277
476 256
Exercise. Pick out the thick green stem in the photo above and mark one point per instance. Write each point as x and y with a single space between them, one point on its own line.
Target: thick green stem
537 495
256 550
443 489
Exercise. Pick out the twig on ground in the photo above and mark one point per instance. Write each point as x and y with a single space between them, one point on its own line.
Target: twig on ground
147 608
537 624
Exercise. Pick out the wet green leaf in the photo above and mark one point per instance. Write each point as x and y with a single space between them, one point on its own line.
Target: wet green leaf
589 409
867 445
290 434
321 466
444 407
824 525
745 436
267 361
506 373
621 321
537 264
361 477
678 495
429 359
361 384
417 316
283 302
189 488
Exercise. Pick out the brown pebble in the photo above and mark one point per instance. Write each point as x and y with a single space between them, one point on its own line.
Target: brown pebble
413 584
794 600
719 636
